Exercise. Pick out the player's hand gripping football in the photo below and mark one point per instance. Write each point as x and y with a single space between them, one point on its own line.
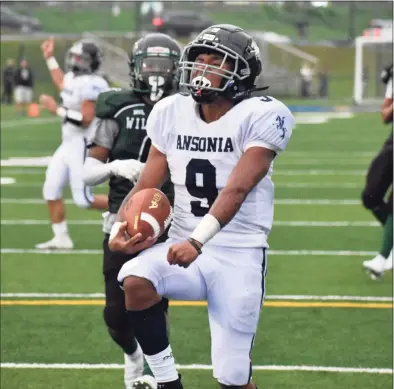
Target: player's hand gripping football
182 254
47 48
122 242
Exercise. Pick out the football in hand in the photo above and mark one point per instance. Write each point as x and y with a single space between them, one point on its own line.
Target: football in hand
148 212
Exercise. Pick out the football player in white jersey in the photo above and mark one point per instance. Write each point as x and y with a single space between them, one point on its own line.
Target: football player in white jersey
218 145
79 88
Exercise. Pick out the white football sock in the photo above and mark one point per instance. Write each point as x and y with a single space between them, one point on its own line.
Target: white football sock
163 366
60 229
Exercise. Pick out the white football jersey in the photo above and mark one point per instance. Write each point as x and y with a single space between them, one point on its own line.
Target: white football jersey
75 90
201 157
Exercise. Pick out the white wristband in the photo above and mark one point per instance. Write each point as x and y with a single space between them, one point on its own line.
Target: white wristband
71 115
52 63
208 227
62 112
114 230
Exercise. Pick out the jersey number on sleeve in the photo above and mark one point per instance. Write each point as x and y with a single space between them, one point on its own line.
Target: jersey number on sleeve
201 183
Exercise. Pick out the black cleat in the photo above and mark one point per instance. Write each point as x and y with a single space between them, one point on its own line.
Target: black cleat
171 385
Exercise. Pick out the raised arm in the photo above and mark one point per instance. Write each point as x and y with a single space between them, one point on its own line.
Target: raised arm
57 73
249 171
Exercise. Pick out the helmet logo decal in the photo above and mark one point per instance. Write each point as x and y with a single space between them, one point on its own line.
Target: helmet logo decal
155 83
208 37
200 82
158 50
77 48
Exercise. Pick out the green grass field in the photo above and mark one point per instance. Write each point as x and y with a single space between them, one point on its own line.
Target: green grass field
325 324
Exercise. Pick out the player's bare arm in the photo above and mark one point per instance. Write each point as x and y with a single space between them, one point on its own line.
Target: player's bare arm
387 110
99 152
154 175
88 109
251 169
82 118
57 73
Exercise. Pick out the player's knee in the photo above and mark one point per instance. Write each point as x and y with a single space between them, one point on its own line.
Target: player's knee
233 371
82 201
115 317
49 193
139 293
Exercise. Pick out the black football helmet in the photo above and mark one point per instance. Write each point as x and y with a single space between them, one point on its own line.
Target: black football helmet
236 47
83 57
154 66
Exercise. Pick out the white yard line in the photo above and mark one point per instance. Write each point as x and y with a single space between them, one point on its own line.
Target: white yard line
268 297
278 201
22 123
318 172
79 366
270 252
277 172
22 222
316 185
309 185
333 163
317 202
282 223
329 154
299 223
24 172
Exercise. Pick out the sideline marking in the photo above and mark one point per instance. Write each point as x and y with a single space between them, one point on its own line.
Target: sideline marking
268 297
336 253
278 201
273 304
282 223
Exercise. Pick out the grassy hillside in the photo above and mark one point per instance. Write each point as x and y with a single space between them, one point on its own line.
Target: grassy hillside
324 23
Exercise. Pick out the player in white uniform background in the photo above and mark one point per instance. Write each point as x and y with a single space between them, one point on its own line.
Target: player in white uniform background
218 145
79 88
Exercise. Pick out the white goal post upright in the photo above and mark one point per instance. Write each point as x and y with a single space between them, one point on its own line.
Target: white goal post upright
376 51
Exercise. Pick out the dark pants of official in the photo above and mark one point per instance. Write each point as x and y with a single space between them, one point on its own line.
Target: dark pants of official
7 93
115 317
378 182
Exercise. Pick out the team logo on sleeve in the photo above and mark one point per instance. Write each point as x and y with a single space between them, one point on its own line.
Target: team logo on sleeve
280 125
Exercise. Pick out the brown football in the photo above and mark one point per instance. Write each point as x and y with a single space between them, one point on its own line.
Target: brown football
148 212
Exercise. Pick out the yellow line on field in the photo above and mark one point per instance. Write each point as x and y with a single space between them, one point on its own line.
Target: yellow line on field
275 304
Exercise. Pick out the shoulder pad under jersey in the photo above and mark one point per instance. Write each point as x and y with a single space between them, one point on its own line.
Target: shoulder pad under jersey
111 101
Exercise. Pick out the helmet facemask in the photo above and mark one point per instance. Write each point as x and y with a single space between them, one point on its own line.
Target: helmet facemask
193 74
154 74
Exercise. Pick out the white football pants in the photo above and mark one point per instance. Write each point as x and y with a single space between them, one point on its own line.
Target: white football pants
232 280
66 166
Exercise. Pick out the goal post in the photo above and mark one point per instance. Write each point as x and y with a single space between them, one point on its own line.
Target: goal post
372 54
